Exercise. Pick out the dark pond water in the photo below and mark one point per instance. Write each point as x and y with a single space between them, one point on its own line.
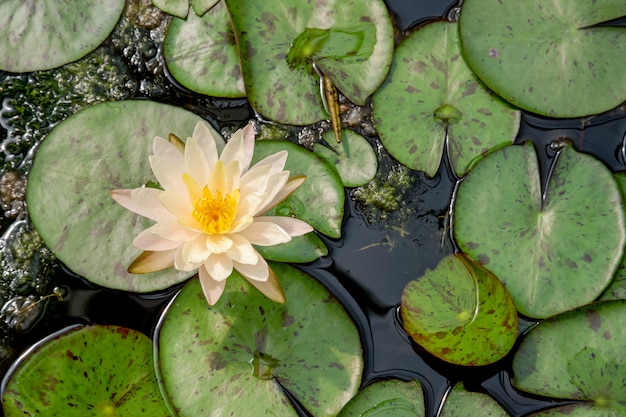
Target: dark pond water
368 268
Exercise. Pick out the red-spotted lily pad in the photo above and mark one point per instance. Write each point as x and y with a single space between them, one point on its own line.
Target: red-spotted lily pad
431 96
389 398
577 355
100 371
460 312
350 41
201 53
555 250
353 157
551 58
320 199
463 403
47 34
101 148
237 357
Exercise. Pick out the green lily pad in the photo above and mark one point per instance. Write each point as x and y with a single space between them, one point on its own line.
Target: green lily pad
236 357
460 312
583 410
287 90
577 355
48 34
101 148
305 248
617 289
353 158
201 53
100 371
387 398
430 95
553 252
320 199
549 58
463 403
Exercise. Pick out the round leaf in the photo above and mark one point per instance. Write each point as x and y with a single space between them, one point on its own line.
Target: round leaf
463 403
549 58
237 356
201 53
388 398
306 248
179 8
320 199
99 371
353 158
101 148
44 35
576 355
553 252
583 410
287 91
460 312
431 94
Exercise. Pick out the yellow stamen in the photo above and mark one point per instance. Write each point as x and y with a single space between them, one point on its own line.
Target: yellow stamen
215 212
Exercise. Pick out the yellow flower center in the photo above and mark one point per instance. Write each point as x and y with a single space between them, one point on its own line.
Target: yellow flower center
215 212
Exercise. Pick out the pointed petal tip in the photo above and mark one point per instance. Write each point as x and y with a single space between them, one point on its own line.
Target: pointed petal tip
151 261
270 288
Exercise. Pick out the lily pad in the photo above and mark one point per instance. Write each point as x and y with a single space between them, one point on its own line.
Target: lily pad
320 199
431 96
305 248
460 312
388 398
554 251
287 90
353 158
582 410
463 403
237 356
44 35
617 289
201 53
99 371
550 58
101 148
577 355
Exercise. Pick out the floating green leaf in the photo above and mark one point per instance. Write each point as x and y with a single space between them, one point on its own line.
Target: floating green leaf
47 34
100 371
236 357
617 289
353 158
553 252
577 355
101 148
319 201
178 8
460 312
389 398
430 95
305 248
337 35
550 58
201 53
463 403
582 410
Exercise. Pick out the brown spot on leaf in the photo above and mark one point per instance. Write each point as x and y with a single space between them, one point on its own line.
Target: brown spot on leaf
593 317
483 259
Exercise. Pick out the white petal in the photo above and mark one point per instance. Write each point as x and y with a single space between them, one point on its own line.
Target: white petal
173 230
180 264
240 148
195 251
196 164
168 173
219 266
275 187
211 288
125 199
265 233
177 203
205 139
149 199
276 161
255 179
242 251
148 240
164 149
257 272
224 177
217 243
292 185
241 223
294 227
249 205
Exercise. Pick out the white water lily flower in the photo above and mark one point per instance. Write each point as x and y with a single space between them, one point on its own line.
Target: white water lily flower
209 213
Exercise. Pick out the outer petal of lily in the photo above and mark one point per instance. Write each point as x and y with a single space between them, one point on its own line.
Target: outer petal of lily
219 266
240 148
270 288
207 142
242 251
172 230
148 240
149 199
255 179
196 164
150 261
211 288
169 174
164 148
277 161
195 251
124 198
291 186
275 185
291 225
265 233
257 272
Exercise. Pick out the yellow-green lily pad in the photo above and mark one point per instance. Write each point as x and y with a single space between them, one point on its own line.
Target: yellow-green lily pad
237 357
387 398
463 403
